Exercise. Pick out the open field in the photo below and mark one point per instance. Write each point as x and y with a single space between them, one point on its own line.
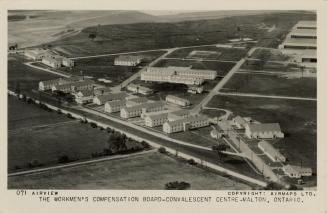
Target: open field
23 77
269 55
272 85
224 54
270 66
221 67
131 173
145 36
298 120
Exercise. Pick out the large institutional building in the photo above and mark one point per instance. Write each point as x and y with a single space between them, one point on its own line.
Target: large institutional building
301 43
181 75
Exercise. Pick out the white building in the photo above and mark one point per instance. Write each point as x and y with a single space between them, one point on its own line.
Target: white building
139 89
128 60
178 114
185 124
67 62
267 130
84 96
239 122
114 106
74 86
36 54
48 84
135 111
271 152
177 100
296 171
52 62
102 99
154 119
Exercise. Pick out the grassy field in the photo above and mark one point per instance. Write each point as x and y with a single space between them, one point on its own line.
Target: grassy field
149 171
103 67
271 85
145 36
226 54
270 55
270 66
221 67
23 77
298 120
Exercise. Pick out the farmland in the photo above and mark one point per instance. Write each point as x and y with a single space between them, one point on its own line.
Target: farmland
146 36
130 173
271 85
298 120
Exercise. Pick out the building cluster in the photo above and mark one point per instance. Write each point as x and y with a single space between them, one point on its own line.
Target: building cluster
180 75
128 60
301 43
138 89
49 58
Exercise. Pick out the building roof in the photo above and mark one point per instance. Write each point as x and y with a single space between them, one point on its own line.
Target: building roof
270 150
144 105
138 100
180 112
86 92
82 83
311 32
240 120
300 41
115 103
111 96
187 120
157 115
310 23
177 98
52 81
266 127
296 169
52 60
129 57
103 89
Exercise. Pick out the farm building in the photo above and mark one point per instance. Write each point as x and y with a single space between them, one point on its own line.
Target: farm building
52 62
296 171
102 91
139 89
178 101
36 54
239 122
135 101
114 106
84 96
102 99
271 152
135 111
185 124
267 130
128 60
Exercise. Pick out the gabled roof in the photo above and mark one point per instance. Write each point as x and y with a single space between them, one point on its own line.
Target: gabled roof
86 92
111 96
239 120
180 112
177 98
138 100
187 120
144 105
116 103
129 57
267 127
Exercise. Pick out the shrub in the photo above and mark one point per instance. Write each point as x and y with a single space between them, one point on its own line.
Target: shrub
93 125
59 111
176 185
70 116
145 145
34 163
63 159
162 150
101 128
191 161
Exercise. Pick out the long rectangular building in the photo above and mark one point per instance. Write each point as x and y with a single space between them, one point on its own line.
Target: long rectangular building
102 99
177 100
185 124
114 106
137 110
271 152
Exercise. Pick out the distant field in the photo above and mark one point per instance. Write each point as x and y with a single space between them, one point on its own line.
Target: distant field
298 120
103 67
271 85
226 54
23 77
149 171
145 36
221 67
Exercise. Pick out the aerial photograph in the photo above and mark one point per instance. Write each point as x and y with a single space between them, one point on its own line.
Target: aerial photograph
162 100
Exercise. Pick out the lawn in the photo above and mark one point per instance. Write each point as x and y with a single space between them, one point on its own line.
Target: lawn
148 172
226 54
298 120
221 67
271 85
23 77
146 36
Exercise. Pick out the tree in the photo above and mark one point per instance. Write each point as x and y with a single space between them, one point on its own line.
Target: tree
116 143
92 36
162 150
176 185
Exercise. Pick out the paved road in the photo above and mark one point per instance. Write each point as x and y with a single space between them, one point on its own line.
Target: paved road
221 83
266 96
46 70
74 164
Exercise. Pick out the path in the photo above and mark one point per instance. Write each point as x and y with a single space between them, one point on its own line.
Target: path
46 70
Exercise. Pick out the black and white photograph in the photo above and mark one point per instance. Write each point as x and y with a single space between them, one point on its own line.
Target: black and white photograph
162 99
